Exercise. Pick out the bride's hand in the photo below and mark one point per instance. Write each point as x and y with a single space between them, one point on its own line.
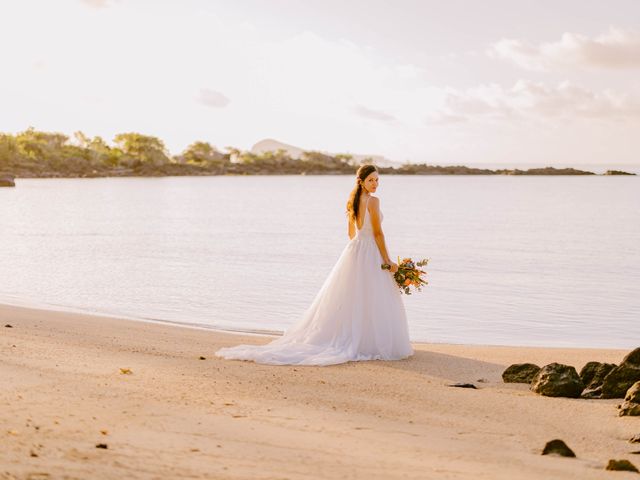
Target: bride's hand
393 267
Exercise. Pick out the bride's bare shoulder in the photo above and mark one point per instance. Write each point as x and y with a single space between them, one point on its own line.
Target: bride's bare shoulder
374 202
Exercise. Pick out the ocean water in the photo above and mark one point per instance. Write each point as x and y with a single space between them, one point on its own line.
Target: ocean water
541 261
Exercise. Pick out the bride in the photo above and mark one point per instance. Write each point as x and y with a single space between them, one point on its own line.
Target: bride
358 314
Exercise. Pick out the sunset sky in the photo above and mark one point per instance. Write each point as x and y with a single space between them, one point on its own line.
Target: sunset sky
499 81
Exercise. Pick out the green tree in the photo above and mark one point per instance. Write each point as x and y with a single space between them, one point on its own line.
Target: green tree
138 149
202 154
9 154
346 159
101 154
323 161
40 145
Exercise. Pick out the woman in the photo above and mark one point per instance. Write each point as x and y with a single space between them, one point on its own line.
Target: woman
358 314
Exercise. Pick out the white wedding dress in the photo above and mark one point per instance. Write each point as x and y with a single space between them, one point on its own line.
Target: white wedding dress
358 314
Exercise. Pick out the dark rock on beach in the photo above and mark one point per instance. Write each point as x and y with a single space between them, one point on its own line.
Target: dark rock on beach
463 385
588 372
594 386
635 439
557 447
621 465
621 378
520 373
557 380
631 405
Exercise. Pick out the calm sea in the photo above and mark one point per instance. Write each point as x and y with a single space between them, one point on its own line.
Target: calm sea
548 261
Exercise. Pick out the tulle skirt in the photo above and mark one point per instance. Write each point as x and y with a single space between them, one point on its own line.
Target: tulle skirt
358 314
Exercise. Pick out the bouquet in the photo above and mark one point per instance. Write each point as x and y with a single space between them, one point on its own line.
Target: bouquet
409 274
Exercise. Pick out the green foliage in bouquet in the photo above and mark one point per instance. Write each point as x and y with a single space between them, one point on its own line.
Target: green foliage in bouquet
409 275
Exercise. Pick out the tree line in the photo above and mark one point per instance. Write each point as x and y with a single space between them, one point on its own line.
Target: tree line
36 153
33 153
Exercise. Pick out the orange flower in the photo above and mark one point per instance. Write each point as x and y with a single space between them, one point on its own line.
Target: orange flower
407 281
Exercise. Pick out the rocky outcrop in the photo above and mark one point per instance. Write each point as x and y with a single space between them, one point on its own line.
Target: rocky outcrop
588 371
520 373
621 378
631 404
7 181
557 380
618 172
557 447
594 386
546 171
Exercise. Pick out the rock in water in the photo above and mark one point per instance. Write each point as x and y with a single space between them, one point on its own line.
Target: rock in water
557 447
557 380
594 388
623 465
520 373
620 379
7 181
631 405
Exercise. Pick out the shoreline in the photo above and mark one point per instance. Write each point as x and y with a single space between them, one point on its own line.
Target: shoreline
165 407
513 172
43 307
268 334
91 158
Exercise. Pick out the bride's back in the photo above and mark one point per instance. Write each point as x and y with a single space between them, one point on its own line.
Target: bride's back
362 213
366 226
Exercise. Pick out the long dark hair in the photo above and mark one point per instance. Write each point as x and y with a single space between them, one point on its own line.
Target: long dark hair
354 198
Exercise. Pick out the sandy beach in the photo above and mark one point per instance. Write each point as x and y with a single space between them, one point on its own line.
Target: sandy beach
178 416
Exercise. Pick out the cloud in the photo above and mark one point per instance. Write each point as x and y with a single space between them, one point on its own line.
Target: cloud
212 98
378 115
615 49
535 100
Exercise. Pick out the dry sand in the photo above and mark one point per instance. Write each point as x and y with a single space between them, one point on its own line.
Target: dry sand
176 416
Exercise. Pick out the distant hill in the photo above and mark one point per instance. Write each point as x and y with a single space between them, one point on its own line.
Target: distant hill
271 145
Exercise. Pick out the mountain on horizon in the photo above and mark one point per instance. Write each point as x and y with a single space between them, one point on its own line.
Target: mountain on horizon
271 145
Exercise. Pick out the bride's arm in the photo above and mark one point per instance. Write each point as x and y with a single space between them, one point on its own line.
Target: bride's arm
351 228
374 212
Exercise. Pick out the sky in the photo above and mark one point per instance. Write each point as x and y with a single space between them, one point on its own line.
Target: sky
516 82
